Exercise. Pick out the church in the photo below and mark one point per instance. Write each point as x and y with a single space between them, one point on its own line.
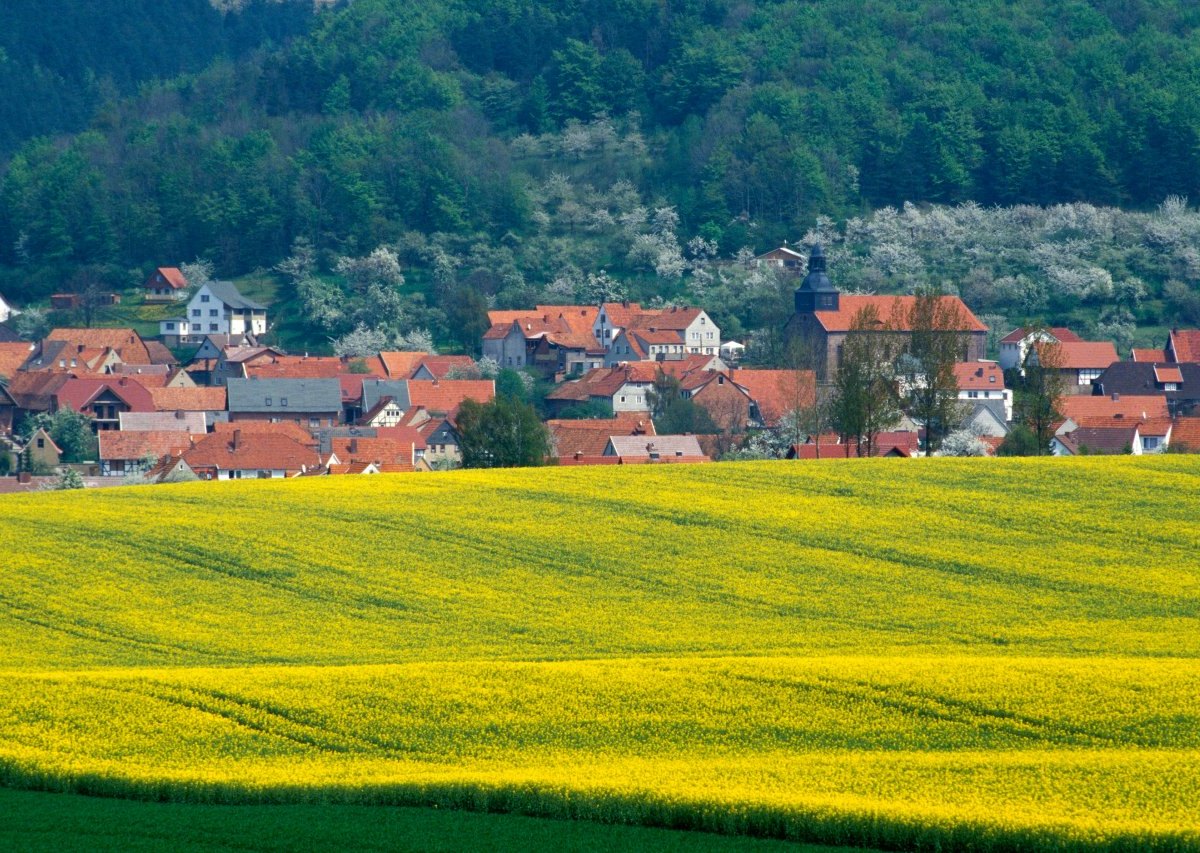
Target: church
823 318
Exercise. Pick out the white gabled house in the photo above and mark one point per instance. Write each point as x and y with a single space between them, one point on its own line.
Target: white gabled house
217 308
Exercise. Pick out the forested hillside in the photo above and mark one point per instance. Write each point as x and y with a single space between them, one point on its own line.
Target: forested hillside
508 147
60 59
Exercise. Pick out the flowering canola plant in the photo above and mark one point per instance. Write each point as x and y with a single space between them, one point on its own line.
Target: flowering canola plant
992 655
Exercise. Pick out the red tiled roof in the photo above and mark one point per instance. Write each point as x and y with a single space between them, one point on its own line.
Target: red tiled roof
979 376
893 311
408 436
36 390
297 367
290 429
1185 434
1077 406
1083 355
674 318
400 364
1101 440
1167 374
199 399
115 444
171 276
127 343
777 391
12 356
79 393
440 365
1149 354
250 451
1059 333
381 451
589 437
446 395
1186 345
621 314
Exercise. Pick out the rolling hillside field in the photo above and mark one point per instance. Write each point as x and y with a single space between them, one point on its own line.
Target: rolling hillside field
985 655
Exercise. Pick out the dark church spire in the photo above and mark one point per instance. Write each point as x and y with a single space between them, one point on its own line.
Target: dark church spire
816 292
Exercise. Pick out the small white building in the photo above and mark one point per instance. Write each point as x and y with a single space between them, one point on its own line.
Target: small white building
6 310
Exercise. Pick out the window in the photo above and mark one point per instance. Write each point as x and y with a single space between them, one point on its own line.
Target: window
314 422
267 402
195 312
701 321
212 312
41 443
195 327
283 401
622 399
203 297
170 326
212 327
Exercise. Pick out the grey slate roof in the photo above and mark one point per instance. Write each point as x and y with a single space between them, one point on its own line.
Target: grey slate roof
374 389
280 396
1136 378
231 296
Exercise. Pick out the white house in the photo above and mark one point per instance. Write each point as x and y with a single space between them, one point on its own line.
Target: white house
1015 345
6 310
217 308
983 381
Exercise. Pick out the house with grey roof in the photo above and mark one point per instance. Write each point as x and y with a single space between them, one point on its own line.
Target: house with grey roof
375 390
311 403
216 308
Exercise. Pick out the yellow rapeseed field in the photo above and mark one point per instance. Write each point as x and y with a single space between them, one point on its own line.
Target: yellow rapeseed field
953 654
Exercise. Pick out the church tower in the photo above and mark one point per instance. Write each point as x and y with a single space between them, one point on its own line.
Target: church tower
816 292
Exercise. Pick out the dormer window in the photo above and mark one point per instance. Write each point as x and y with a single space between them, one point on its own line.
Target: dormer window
267 402
283 401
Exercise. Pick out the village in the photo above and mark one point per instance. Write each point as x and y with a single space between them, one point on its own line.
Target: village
237 409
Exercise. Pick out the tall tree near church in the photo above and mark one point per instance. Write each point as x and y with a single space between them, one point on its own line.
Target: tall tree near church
937 342
865 401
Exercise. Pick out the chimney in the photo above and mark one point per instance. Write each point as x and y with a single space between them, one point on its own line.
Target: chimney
1116 397
353 445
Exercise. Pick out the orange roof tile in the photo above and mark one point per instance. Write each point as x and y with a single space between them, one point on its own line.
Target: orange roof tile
290 429
116 444
200 399
1149 354
1186 345
1084 355
589 437
1166 373
979 376
892 310
128 343
399 364
777 391
381 451
446 395
250 451
12 356
1185 434
171 276
1141 406
440 365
